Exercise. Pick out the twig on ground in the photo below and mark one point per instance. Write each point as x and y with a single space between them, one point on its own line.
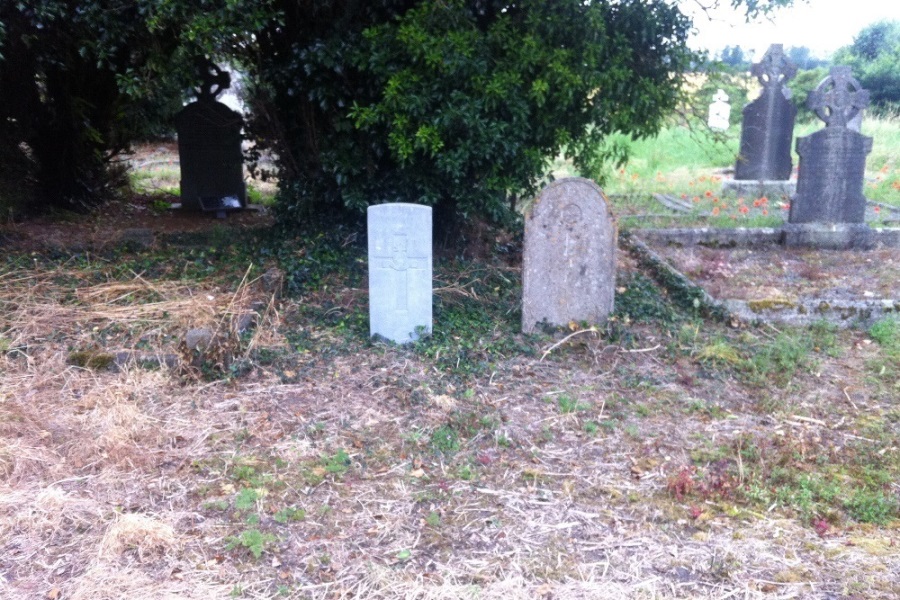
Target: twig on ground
566 339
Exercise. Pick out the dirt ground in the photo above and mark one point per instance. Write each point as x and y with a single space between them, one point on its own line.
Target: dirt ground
376 472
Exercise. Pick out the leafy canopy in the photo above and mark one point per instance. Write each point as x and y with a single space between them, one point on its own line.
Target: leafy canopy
873 56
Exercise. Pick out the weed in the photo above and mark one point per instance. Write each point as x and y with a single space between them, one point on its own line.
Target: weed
246 499
445 440
640 301
886 331
289 513
719 354
252 540
778 360
433 519
591 427
337 463
568 405
465 472
869 506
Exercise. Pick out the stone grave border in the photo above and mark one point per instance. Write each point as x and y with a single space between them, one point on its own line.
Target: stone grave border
838 311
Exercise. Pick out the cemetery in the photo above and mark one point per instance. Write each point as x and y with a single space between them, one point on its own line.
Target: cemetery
678 381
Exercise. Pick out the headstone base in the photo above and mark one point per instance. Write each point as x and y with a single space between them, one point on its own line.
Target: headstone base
749 188
828 236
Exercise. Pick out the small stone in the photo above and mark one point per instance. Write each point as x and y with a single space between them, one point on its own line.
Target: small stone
198 339
244 321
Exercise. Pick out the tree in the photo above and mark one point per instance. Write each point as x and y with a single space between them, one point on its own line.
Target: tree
873 56
81 80
456 103
735 57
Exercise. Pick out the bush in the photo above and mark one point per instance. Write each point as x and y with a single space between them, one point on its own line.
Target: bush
459 104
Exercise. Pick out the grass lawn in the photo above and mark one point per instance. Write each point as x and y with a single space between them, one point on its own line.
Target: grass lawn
665 455
690 164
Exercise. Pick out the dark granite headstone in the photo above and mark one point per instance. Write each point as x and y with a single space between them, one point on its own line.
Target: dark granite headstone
829 207
833 160
209 150
768 123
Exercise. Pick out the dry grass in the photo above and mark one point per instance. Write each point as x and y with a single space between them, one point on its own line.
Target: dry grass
128 483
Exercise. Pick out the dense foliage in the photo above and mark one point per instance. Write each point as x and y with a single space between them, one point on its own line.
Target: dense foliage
456 103
79 81
874 56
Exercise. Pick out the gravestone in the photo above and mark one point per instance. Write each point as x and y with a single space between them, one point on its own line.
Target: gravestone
767 128
399 271
569 263
829 207
719 111
209 150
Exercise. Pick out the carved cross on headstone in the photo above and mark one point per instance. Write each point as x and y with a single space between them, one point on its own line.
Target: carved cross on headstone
398 263
838 98
775 68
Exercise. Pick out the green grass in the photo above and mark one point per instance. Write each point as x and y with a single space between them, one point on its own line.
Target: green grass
687 164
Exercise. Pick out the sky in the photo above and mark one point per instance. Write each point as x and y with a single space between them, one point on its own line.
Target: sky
823 26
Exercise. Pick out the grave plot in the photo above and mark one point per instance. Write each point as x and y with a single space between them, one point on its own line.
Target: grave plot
826 260
770 283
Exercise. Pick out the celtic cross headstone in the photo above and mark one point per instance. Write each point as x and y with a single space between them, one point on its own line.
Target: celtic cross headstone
569 262
400 271
832 167
209 149
767 127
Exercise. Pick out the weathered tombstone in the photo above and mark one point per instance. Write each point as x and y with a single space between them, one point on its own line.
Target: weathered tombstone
763 165
569 267
829 207
399 271
719 111
209 150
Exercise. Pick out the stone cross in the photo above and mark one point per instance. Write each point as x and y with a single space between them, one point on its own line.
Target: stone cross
569 262
767 128
215 81
839 98
400 271
775 68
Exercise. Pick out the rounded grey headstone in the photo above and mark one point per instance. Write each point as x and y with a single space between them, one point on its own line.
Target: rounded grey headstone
569 263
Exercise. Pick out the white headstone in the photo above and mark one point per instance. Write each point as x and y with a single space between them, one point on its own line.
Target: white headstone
719 111
569 262
400 284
